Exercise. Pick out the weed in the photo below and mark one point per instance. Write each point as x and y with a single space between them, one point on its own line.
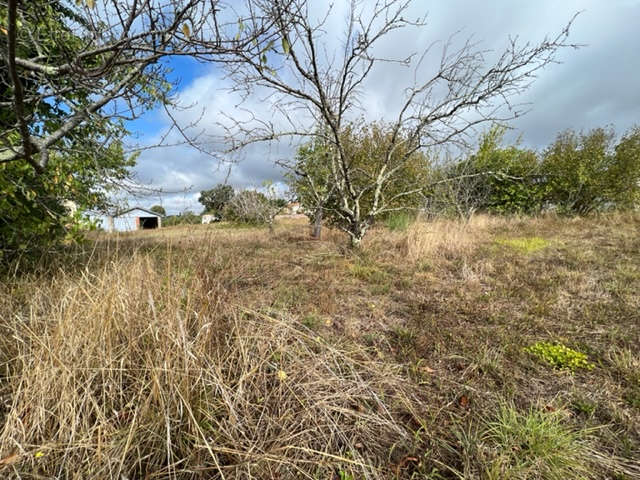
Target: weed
370 274
632 397
344 475
560 356
584 406
311 321
526 245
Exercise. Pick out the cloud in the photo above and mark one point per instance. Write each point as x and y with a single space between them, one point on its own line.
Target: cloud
593 86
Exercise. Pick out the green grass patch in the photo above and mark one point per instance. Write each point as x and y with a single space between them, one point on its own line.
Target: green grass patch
399 222
311 321
369 274
560 356
525 245
535 444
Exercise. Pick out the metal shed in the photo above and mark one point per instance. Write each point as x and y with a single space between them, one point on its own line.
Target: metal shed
133 219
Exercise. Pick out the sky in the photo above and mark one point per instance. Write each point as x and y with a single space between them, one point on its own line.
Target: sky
596 85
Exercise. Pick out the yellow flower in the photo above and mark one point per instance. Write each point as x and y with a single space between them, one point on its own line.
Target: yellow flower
282 375
39 454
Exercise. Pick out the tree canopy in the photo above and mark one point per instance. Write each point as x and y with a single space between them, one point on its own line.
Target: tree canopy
215 199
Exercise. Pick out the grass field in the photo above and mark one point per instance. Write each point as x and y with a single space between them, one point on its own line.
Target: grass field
436 352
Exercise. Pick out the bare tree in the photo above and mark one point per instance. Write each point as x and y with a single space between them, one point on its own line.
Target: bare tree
253 206
308 80
458 190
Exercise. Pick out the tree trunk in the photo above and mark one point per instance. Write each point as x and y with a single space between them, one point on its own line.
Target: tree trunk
356 241
356 235
316 229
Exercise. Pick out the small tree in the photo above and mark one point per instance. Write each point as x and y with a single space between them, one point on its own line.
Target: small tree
215 199
310 180
313 183
159 209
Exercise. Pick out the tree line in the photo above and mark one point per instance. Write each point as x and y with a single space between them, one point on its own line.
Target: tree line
577 174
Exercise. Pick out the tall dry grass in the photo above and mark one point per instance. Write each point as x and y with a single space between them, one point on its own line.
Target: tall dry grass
144 368
450 238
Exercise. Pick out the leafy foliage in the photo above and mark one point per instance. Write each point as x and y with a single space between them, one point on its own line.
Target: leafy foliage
40 201
399 221
316 185
215 199
560 356
39 212
498 179
159 209
589 171
184 218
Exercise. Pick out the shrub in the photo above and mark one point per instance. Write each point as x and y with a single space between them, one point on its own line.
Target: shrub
497 179
560 356
185 218
215 199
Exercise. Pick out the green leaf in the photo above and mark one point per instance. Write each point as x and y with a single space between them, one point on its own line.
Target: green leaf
285 46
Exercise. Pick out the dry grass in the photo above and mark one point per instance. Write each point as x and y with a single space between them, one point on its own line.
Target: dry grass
140 370
449 238
222 352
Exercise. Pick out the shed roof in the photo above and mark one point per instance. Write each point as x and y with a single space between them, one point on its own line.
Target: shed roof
153 214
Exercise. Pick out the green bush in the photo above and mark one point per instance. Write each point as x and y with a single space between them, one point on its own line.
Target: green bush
41 212
589 171
497 179
184 218
560 356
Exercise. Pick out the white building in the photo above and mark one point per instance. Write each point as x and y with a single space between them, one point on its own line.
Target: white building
133 219
208 218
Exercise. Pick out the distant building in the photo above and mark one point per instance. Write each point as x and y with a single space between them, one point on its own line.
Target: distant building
133 219
209 218
292 208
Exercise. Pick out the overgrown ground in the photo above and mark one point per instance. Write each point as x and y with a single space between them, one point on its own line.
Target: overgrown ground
221 352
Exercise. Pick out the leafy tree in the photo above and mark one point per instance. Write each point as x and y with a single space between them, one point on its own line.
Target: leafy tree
625 170
38 211
215 199
159 209
73 71
502 179
310 180
367 145
589 171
